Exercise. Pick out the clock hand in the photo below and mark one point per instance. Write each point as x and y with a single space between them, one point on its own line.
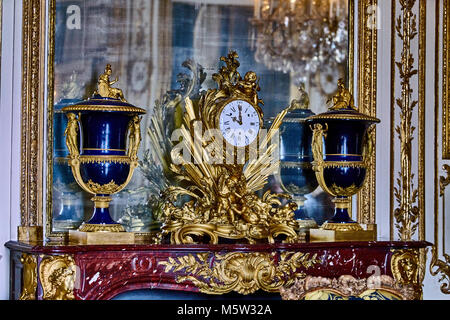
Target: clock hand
240 114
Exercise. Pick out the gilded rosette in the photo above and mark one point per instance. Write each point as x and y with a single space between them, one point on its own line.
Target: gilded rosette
104 162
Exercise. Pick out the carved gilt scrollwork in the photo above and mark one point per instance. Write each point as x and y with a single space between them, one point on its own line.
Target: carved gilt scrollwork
441 268
241 272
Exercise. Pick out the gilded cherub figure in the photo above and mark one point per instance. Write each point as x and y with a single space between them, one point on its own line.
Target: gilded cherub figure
71 134
104 86
249 86
134 133
343 98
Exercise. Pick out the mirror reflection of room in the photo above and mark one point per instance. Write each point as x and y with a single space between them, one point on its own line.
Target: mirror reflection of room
156 47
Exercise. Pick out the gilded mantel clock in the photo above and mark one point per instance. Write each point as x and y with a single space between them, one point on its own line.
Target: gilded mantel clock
223 203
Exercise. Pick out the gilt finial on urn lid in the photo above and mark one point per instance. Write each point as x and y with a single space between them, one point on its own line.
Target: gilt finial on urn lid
104 86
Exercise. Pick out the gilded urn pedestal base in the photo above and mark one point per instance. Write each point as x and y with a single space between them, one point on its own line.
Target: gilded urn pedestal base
102 237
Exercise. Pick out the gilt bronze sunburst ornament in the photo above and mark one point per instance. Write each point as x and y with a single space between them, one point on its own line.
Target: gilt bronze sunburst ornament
223 205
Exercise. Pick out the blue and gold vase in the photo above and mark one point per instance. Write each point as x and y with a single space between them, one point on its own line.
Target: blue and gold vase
296 174
104 162
342 145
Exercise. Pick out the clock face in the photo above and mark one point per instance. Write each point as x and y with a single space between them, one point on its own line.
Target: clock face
239 123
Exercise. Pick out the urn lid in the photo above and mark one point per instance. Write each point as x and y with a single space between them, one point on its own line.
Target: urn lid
343 108
105 98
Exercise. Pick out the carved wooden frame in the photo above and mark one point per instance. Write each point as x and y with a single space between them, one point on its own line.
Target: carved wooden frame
440 260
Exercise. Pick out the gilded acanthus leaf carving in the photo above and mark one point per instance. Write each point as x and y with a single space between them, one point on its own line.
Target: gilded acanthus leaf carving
29 277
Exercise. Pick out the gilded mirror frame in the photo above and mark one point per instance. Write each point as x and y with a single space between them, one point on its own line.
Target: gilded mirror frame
37 80
445 82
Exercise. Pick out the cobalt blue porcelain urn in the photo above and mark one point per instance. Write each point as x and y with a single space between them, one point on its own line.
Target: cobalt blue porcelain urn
104 162
296 175
342 145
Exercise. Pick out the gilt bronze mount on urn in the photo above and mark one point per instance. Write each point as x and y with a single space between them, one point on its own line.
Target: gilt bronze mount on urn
296 175
342 144
105 161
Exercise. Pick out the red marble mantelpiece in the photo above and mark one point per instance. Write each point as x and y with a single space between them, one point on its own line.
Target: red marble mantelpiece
104 271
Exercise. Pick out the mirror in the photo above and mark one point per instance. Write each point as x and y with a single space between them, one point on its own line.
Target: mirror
146 42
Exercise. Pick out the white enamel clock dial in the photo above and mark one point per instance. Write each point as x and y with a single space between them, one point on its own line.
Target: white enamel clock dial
239 123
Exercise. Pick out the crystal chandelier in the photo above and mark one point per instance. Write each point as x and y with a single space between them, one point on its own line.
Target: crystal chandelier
300 36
